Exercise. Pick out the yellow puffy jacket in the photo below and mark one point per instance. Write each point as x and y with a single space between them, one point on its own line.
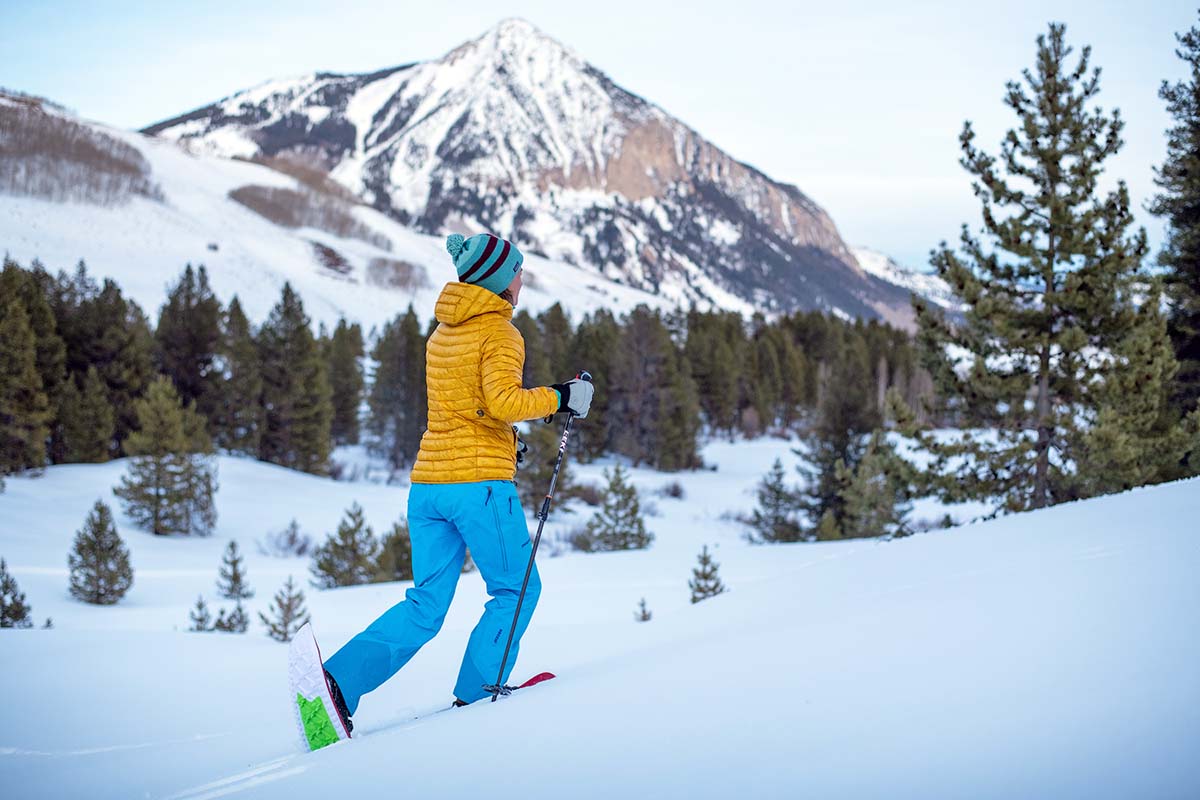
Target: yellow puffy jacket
473 364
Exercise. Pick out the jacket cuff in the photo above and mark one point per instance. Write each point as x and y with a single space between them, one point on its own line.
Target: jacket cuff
564 395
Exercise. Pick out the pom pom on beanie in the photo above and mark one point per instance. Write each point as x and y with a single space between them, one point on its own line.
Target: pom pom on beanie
454 245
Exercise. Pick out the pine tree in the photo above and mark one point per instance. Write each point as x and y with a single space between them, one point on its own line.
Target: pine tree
395 555
100 328
14 611
593 348
618 525
1179 203
202 621
655 411
536 371
705 582
171 480
845 415
296 394
86 422
236 622
231 583
24 409
33 289
643 614
397 399
99 563
555 337
288 614
188 338
714 349
774 520
238 420
348 557
876 494
346 380
1060 288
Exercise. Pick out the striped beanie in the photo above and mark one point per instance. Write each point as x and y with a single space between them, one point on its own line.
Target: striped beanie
485 260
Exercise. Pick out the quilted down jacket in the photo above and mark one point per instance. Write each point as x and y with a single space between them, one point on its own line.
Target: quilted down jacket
473 364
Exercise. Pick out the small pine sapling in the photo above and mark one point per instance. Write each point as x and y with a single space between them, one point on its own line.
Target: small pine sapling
14 611
395 555
348 557
232 583
235 622
643 614
288 613
618 525
202 621
705 582
100 569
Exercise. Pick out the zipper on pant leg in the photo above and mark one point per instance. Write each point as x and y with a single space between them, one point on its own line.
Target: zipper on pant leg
499 529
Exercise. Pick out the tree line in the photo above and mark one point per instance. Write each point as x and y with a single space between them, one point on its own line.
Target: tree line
80 357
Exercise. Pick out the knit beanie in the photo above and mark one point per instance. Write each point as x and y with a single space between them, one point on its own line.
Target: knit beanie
485 260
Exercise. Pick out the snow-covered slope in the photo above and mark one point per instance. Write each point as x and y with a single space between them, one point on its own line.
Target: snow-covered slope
514 132
922 284
144 244
1049 654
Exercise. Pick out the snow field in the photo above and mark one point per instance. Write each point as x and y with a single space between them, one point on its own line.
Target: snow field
1039 655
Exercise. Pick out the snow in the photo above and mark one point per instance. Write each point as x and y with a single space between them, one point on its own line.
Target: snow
144 245
924 284
1047 654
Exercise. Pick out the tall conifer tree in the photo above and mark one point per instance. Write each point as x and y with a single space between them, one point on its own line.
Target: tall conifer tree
24 409
85 420
238 419
1179 203
298 408
1047 303
346 380
397 399
188 338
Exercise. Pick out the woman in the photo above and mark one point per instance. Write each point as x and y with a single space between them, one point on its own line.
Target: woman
463 495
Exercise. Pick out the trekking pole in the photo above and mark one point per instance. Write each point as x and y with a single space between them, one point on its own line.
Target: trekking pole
499 688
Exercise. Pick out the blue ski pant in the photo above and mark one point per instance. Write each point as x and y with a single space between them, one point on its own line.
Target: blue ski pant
443 521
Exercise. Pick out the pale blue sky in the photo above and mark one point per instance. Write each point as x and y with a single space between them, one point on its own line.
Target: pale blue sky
858 103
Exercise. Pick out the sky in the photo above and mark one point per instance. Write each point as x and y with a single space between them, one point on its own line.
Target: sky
858 103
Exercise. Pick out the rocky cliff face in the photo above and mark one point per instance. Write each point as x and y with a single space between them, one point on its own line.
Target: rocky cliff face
516 134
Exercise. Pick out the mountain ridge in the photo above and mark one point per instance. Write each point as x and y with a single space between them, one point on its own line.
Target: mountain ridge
514 132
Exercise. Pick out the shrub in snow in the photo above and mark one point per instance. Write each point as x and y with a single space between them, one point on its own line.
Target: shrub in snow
348 557
618 525
705 582
200 618
395 555
100 569
171 480
674 490
14 611
231 583
286 543
642 614
236 622
288 614
775 517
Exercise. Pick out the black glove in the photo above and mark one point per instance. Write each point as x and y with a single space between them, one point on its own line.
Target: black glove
522 449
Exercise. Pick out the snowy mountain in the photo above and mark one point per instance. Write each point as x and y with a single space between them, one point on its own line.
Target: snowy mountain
1042 655
922 284
515 133
368 268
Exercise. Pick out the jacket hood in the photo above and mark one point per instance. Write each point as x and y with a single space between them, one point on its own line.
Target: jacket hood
460 302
